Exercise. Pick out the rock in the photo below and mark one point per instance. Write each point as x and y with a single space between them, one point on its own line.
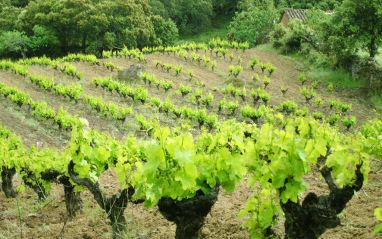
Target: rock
368 70
32 215
238 83
205 232
131 74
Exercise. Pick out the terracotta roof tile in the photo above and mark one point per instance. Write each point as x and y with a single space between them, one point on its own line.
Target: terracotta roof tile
300 13
296 14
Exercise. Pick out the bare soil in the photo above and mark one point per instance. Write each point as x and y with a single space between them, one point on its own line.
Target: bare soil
25 217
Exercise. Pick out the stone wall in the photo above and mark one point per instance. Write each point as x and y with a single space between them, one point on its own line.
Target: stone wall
368 70
284 20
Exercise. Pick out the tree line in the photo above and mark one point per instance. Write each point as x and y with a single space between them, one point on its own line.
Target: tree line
55 28
58 27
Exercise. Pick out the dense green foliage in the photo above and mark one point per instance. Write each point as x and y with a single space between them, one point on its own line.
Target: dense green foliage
54 28
253 26
14 42
191 16
307 4
332 40
166 32
291 38
363 21
17 3
353 27
8 17
250 5
80 25
225 6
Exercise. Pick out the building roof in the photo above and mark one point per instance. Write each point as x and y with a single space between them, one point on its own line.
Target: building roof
299 13
296 14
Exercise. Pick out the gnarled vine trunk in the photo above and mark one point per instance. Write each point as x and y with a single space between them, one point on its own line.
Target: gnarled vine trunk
316 214
73 200
114 206
189 214
7 184
31 181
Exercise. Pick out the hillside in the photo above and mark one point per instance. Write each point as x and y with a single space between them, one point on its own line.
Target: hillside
47 220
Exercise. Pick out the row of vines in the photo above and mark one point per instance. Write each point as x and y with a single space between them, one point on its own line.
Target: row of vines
183 174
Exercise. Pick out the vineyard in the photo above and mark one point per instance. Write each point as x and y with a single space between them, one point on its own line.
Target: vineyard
215 141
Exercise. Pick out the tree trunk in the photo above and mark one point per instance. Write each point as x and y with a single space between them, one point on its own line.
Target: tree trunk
7 184
23 53
372 48
318 213
64 43
84 38
189 214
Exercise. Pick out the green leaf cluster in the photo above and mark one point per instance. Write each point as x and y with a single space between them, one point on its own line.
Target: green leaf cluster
254 26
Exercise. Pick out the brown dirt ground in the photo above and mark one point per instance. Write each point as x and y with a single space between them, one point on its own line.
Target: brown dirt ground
47 220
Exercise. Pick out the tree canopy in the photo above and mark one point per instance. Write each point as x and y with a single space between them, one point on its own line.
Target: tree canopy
56 28
307 4
363 19
191 16
8 17
355 25
14 42
87 25
253 26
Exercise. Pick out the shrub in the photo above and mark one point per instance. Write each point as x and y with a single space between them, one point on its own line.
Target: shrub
166 32
291 42
253 26
276 35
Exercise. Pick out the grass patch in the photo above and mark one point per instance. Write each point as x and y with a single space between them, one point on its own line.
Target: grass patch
220 28
365 55
300 60
267 47
376 100
339 78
